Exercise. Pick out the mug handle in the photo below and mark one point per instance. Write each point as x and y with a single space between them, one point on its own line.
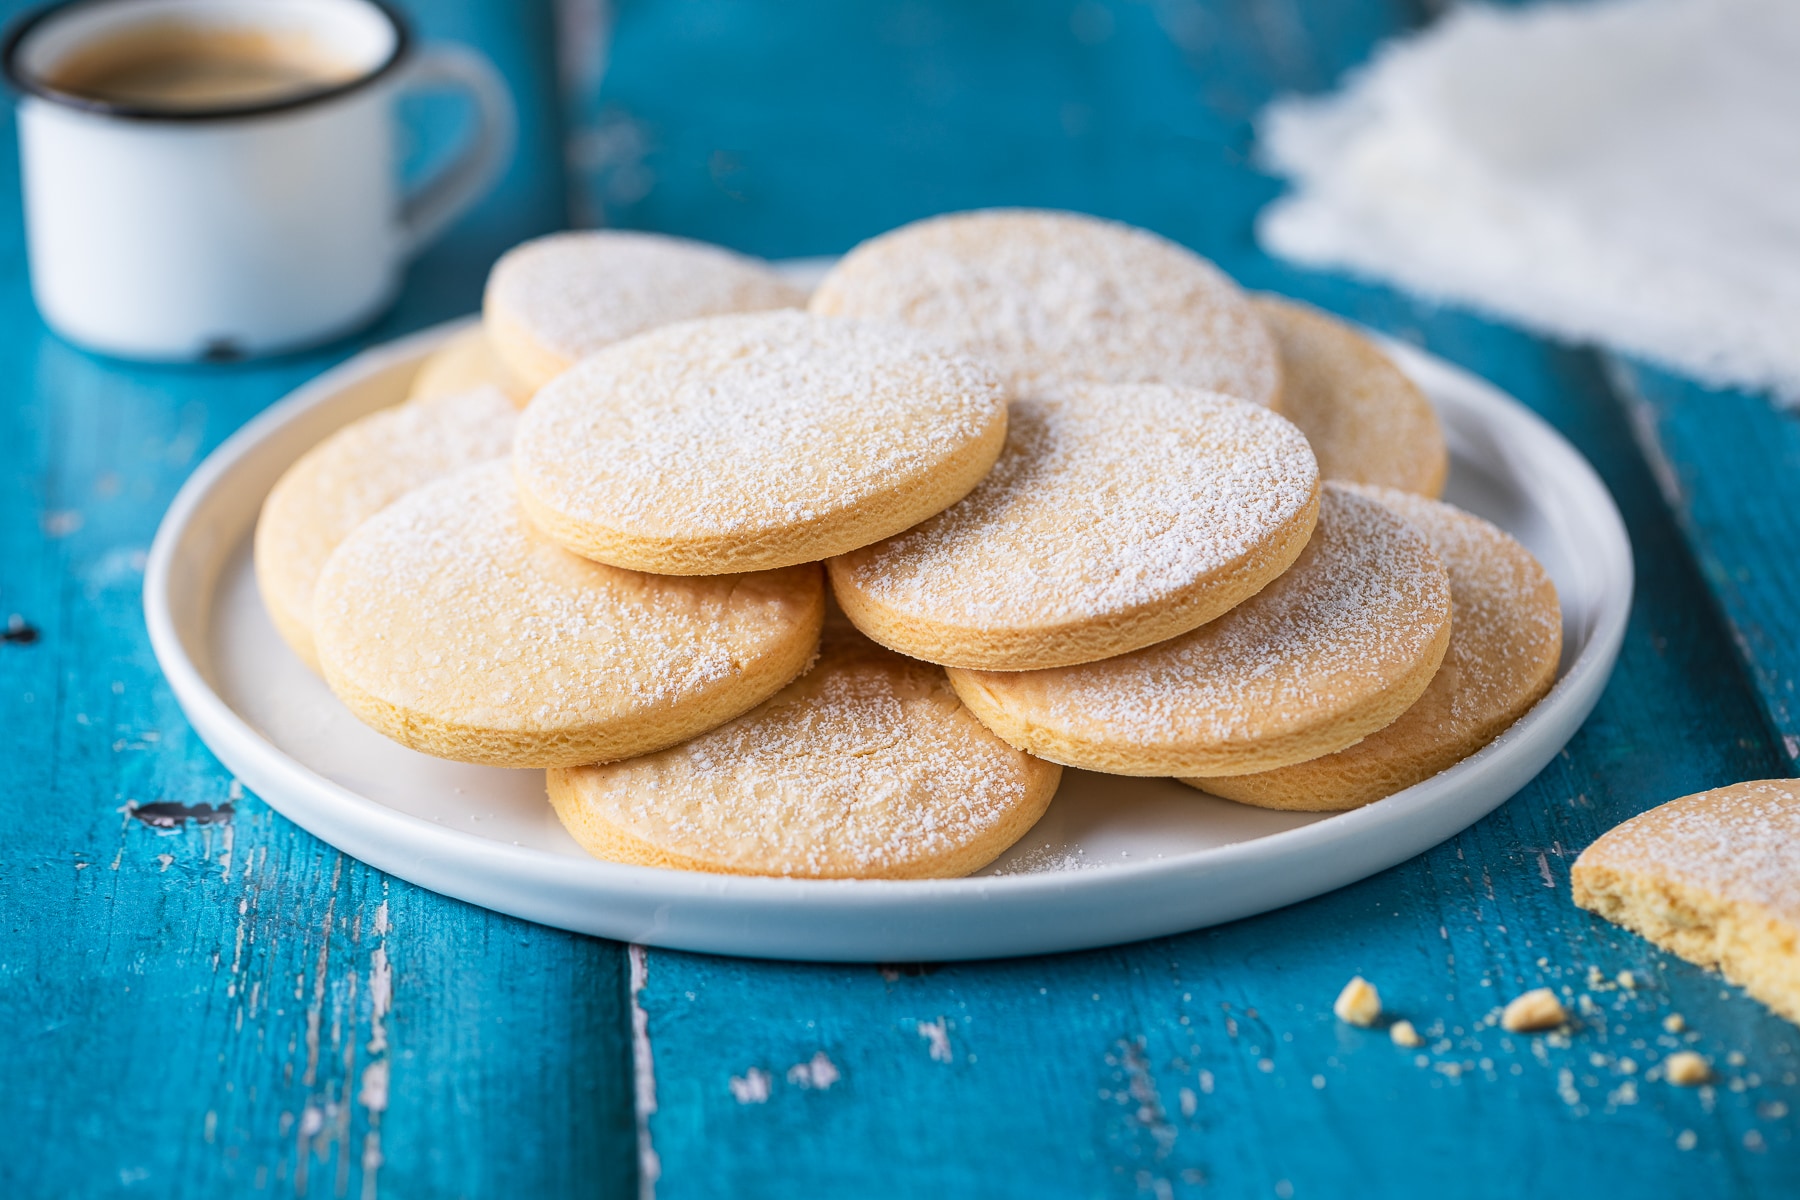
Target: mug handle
448 193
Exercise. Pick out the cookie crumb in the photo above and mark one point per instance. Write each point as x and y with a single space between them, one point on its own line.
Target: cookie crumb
1359 1003
1403 1034
1628 981
1686 1140
1735 1058
1533 1012
1684 1068
1674 1023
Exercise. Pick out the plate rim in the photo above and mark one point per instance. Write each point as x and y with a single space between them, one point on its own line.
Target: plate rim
402 841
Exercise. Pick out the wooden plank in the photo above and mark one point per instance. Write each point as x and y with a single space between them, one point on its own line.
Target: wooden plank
1728 464
195 997
1208 1063
791 129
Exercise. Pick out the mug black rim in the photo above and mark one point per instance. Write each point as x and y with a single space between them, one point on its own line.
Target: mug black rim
32 86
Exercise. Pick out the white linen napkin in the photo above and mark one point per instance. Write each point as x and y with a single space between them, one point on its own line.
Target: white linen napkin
1626 172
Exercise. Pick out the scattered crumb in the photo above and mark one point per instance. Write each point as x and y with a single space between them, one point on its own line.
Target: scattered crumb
1359 1003
1735 1058
1403 1034
818 1072
1686 1140
1684 1068
752 1087
1628 981
1533 1012
1674 1023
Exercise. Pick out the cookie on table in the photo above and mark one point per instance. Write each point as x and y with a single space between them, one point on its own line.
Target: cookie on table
554 300
1366 420
1713 877
1118 515
757 441
465 361
866 767
1336 648
1505 642
1051 296
354 474
453 627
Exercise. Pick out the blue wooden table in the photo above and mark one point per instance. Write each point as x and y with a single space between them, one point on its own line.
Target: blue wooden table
198 999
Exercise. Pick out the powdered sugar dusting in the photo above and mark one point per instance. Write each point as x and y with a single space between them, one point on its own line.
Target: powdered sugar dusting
743 423
1361 604
1106 499
866 765
1505 639
449 603
1049 856
362 469
1056 296
1506 631
389 453
576 292
1738 842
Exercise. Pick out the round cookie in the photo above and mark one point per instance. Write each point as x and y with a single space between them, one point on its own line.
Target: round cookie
554 300
1052 296
1118 515
1710 877
1367 421
354 474
867 767
450 625
750 442
464 362
1336 648
1505 641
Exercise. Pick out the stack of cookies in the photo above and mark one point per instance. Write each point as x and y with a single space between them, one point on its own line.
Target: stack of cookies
835 586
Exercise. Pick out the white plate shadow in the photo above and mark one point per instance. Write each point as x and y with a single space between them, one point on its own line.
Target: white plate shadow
1113 860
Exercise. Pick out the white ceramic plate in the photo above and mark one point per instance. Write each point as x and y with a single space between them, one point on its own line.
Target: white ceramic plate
1113 860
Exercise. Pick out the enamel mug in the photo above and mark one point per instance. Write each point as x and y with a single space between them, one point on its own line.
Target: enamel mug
229 232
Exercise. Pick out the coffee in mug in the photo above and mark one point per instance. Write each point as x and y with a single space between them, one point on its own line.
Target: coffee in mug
212 179
180 66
